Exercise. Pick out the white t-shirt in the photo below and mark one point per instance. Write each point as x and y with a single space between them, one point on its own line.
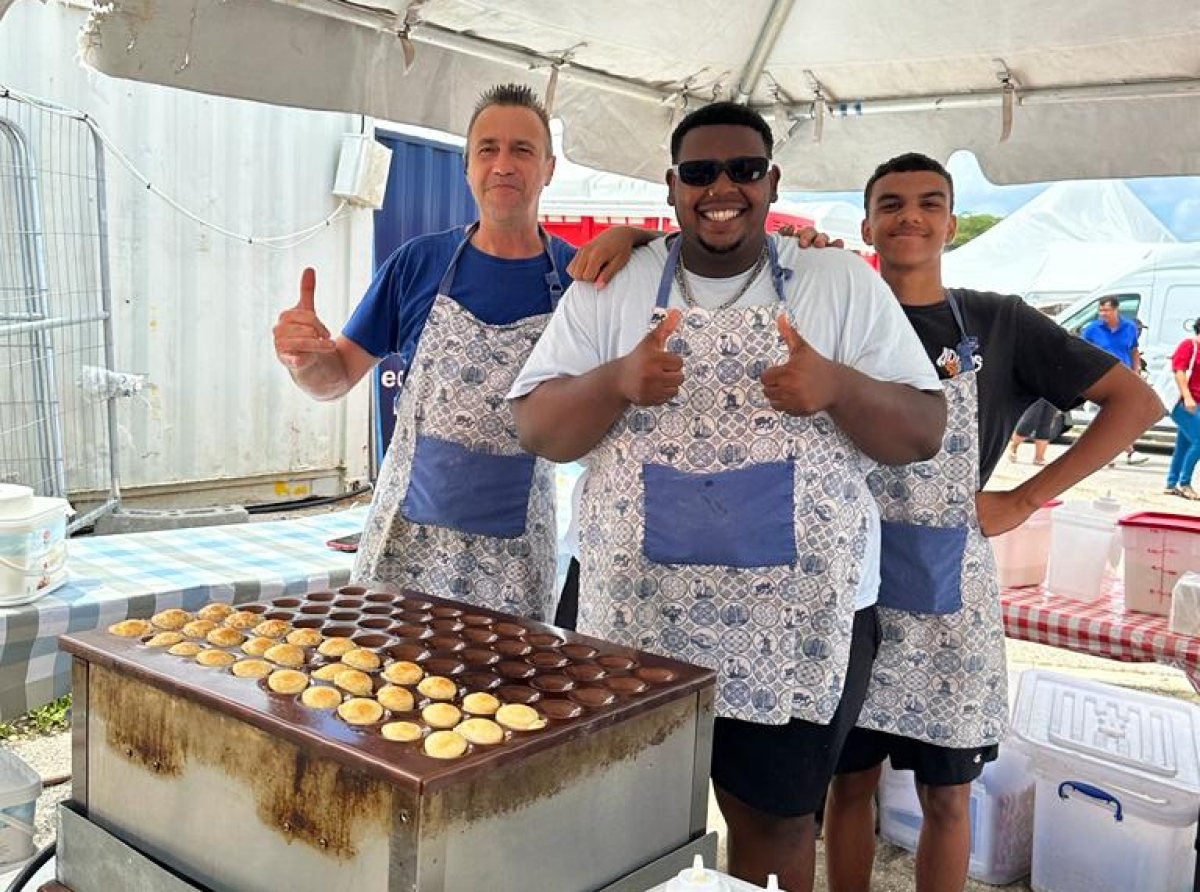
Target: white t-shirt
837 303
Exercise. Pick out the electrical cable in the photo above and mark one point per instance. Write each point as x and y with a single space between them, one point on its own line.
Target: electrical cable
307 502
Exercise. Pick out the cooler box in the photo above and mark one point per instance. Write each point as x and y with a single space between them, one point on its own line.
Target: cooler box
1022 554
1159 548
1118 785
1001 816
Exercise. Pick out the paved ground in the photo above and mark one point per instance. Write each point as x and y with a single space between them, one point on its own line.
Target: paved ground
1135 487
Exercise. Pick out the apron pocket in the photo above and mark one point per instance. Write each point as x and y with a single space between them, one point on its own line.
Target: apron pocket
473 492
921 567
741 518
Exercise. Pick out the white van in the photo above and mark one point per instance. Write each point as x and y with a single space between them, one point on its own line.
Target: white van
1164 293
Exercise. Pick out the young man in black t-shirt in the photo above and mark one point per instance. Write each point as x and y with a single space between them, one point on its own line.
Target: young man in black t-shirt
1017 355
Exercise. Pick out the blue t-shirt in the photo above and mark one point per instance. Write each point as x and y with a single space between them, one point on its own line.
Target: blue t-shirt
496 290
1119 343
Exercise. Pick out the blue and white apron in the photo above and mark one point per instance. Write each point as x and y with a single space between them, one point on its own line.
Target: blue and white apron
717 530
940 672
461 510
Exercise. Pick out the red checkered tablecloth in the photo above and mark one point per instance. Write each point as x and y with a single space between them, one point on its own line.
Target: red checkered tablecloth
1101 628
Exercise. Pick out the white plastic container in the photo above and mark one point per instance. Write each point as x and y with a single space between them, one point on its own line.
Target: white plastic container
1081 549
33 547
1001 813
20 787
1185 605
1023 554
1118 785
1159 549
699 878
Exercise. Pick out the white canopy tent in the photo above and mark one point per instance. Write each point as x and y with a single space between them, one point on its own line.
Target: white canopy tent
1037 91
1062 244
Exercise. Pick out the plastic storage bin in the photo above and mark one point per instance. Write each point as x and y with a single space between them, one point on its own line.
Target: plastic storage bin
1185 605
1023 554
1081 550
699 878
1001 816
1118 785
1159 548
20 787
33 548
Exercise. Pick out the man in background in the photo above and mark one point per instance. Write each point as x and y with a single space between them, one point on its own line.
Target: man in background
1119 336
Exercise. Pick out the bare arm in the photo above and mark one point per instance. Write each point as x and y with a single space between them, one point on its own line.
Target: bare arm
323 367
608 253
564 418
892 423
1127 407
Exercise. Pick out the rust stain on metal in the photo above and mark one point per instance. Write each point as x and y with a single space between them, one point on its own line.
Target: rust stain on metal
304 798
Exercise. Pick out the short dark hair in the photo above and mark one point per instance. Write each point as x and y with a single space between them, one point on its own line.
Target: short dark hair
721 113
909 162
516 96
1110 301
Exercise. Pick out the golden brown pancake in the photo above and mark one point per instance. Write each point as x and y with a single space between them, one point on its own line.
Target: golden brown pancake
223 636
258 646
361 658
403 732
286 654
215 612
441 715
287 681
321 696
403 672
185 649
354 681
251 668
395 698
164 639
479 703
131 628
328 672
481 731
172 620
438 687
242 619
445 745
335 647
520 717
304 637
213 657
198 628
360 711
272 628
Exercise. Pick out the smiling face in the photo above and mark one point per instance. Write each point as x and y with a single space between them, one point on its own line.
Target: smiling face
909 220
509 162
723 222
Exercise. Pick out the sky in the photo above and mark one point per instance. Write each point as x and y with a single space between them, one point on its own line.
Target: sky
1174 200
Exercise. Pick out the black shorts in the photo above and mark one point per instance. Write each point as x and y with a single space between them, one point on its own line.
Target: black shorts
932 765
783 770
1038 421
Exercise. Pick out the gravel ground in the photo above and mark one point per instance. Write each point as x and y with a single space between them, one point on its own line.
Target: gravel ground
1136 487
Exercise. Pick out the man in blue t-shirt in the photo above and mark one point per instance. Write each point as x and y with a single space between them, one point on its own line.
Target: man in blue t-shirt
1117 336
461 308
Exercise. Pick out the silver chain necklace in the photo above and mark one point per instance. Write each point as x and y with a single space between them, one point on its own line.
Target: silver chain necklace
690 299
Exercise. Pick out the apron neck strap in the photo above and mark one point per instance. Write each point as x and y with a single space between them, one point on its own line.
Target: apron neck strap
779 274
553 278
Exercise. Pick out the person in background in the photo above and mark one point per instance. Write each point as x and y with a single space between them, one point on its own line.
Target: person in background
460 510
1187 421
1114 334
937 701
1036 424
730 393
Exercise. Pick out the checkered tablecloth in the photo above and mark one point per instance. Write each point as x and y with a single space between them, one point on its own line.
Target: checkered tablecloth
138 574
1101 628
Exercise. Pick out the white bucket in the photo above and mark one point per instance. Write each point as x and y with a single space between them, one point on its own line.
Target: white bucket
20 787
33 547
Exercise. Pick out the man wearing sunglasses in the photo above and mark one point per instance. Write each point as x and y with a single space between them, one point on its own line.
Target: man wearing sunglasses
728 394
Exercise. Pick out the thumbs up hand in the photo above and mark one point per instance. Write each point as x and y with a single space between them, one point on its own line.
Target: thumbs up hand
651 375
806 383
300 336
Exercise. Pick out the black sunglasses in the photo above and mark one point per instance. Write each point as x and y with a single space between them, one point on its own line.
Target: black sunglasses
748 169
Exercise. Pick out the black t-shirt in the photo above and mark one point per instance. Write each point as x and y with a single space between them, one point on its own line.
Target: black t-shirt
1022 355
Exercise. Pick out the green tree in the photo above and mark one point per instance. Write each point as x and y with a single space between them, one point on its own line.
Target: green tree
972 225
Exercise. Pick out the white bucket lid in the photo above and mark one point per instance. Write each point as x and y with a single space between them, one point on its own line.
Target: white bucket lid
18 782
1148 746
15 500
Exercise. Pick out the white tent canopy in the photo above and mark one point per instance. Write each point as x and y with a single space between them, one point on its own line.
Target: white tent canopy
1036 90
1062 244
